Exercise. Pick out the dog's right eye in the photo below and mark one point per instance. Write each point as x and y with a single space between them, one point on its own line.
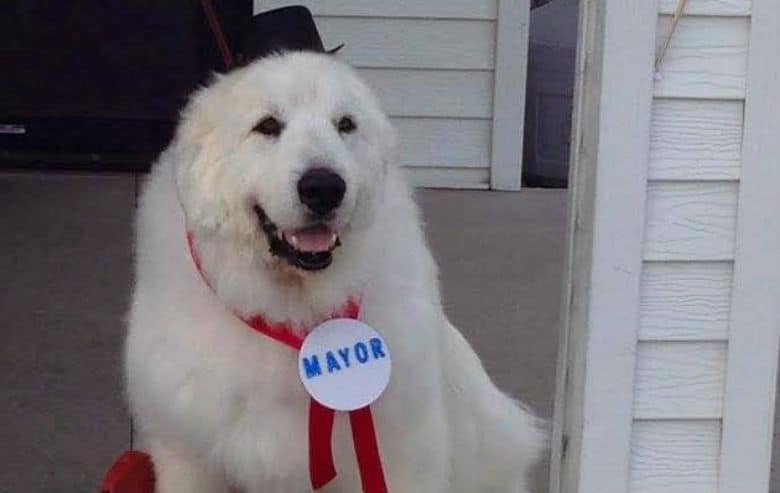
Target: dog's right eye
269 126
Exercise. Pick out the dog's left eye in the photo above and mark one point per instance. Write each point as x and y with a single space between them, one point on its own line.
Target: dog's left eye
346 125
269 126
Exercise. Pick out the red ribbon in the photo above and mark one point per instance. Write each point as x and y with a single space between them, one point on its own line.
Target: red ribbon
321 418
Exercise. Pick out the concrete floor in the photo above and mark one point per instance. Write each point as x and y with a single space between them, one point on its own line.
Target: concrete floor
65 264
65 261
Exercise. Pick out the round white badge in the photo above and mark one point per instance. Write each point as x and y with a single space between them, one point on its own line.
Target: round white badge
344 364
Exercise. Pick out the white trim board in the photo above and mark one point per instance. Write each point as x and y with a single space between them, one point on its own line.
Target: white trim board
749 404
610 152
511 64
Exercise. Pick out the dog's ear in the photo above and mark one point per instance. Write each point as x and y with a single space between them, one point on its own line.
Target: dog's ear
197 153
200 115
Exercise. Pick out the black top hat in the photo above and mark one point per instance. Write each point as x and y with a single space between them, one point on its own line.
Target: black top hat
285 29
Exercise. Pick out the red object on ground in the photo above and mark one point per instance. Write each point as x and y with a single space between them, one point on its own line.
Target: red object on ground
133 472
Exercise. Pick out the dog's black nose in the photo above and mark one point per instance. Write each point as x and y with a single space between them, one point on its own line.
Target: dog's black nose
321 190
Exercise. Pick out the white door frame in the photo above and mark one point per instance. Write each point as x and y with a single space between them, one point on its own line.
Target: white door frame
608 182
751 371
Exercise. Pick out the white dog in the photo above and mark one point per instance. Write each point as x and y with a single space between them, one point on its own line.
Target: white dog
283 174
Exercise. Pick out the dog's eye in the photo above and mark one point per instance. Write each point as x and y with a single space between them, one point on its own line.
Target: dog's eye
346 125
269 126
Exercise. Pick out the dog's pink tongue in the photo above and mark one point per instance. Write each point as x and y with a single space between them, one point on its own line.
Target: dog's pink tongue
313 239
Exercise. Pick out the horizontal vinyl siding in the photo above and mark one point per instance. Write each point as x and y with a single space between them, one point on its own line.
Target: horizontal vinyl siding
426 93
431 64
685 301
412 43
707 57
695 140
444 177
680 456
708 7
681 380
451 143
689 248
448 9
691 221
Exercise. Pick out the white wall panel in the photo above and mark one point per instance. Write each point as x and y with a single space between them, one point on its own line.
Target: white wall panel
680 380
435 9
695 139
707 57
685 301
675 456
442 177
412 43
691 221
453 143
440 93
708 7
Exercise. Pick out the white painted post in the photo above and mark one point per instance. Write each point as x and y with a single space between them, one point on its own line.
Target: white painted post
608 182
506 165
754 328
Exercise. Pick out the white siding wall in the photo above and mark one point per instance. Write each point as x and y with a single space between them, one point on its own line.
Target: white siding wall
432 63
689 248
672 309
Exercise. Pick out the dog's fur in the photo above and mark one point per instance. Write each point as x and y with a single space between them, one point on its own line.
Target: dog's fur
220 407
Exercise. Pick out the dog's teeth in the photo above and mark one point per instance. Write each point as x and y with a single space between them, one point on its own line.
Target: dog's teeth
334 238
294 240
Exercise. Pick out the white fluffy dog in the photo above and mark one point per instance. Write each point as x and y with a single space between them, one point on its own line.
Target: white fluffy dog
283 173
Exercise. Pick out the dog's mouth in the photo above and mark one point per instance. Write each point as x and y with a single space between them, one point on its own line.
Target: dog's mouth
308 248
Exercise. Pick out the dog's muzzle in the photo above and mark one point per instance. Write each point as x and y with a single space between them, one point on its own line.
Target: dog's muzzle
309 248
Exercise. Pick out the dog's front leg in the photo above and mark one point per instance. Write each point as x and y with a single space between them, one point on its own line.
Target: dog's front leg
417 459
177 473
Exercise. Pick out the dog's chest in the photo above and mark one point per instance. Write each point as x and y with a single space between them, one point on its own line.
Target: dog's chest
261 438
251 411
264 446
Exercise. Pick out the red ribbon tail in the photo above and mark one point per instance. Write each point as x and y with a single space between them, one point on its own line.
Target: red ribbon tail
321 467
367 451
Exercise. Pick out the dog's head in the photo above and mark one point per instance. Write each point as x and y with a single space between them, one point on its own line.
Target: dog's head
288 154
